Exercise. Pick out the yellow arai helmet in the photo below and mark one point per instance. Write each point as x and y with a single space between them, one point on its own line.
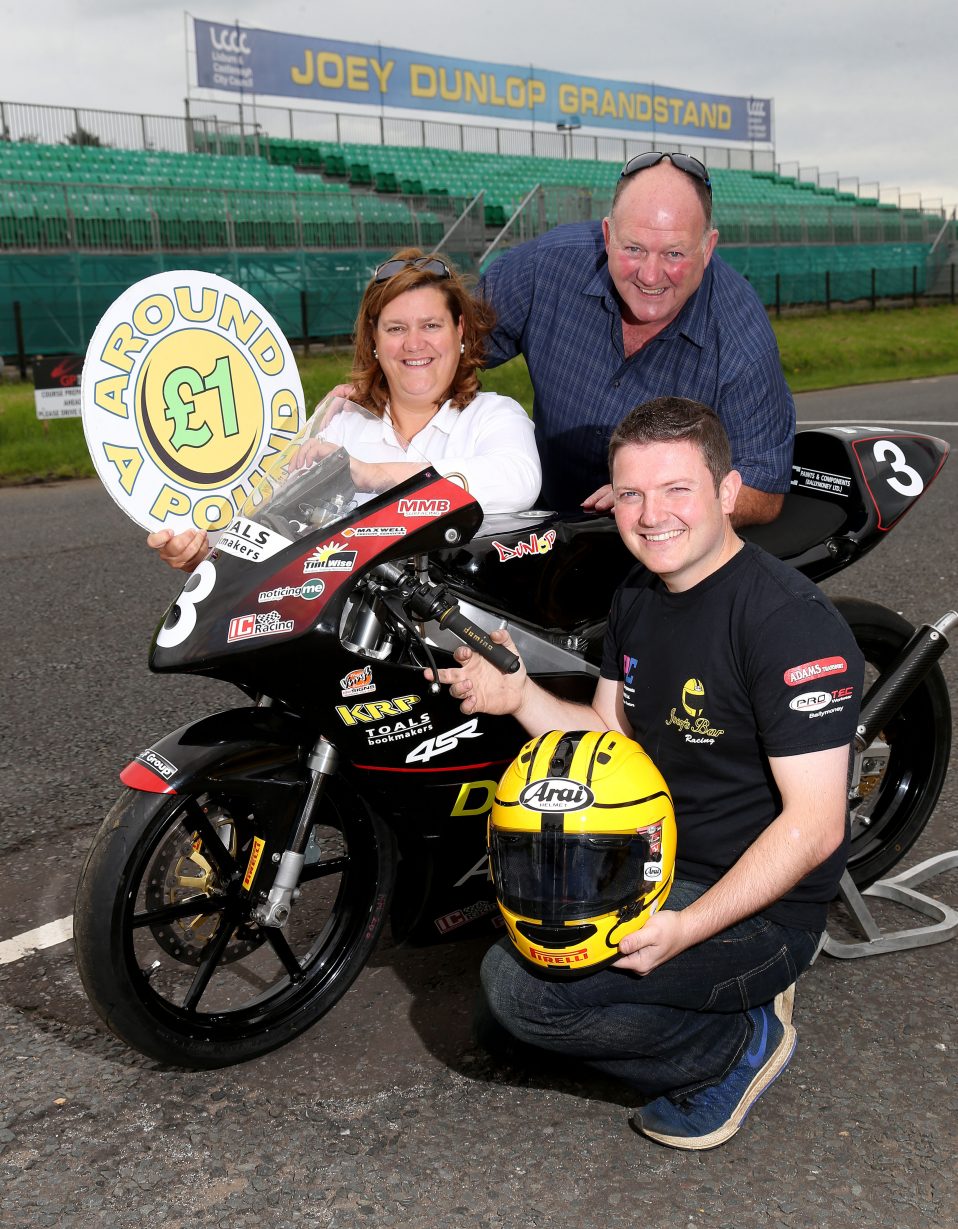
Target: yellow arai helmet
581 847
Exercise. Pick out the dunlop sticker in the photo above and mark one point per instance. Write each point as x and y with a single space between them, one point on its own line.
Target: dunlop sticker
188 389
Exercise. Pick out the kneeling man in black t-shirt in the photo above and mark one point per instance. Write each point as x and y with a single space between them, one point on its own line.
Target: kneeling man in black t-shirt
712 651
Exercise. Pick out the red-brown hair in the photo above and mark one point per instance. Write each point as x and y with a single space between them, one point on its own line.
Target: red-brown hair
369 383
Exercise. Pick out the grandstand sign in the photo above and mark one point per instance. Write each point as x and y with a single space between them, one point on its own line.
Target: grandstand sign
188 388
250 61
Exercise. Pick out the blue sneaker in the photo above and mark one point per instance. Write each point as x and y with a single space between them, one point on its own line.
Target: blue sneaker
709 1117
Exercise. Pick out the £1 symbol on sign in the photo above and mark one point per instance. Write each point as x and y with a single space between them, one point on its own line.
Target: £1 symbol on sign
178 411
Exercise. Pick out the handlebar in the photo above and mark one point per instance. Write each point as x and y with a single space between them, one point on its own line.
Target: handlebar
425 600
502 658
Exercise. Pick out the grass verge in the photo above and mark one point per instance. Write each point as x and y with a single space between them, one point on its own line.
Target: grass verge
820 351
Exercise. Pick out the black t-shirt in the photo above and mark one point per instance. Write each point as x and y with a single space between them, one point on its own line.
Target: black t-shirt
752 662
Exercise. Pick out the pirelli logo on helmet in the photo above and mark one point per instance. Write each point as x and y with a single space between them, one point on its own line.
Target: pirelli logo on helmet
553 795
579 956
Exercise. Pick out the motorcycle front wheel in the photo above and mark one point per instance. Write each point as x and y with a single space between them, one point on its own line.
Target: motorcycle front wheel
169 951
903 771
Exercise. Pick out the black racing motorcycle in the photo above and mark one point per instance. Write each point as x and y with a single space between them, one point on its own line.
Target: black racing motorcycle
240 882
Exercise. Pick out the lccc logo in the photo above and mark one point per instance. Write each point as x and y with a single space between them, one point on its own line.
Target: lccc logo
228 38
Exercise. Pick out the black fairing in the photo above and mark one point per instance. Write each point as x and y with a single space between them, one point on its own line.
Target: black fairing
563 588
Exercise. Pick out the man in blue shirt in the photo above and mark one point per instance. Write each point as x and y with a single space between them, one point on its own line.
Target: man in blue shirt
615 315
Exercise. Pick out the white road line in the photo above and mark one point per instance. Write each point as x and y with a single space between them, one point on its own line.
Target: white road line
904 424
32 940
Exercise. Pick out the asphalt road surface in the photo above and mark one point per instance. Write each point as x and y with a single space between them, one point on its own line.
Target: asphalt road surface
385 1113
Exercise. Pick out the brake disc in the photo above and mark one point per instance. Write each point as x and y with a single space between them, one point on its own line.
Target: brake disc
180 870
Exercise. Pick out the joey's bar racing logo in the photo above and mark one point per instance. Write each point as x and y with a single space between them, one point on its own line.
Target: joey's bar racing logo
188 389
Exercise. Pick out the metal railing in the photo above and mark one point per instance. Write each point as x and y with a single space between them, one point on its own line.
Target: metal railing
40 215
246 125
299 125
48 217
941 249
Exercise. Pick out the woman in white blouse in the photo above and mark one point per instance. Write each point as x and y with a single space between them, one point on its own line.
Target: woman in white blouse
414 391
419 345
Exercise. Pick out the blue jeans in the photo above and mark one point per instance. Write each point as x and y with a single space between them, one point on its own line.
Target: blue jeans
679 1028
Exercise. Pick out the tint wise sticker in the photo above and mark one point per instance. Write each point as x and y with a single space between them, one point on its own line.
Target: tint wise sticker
534 545
249 540
188 388
268 624
556 794
333 557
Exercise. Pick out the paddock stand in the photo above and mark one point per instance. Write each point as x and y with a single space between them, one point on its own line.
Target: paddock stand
928 644
901 890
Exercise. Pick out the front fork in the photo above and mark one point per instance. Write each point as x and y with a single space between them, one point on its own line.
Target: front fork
903 676
274 910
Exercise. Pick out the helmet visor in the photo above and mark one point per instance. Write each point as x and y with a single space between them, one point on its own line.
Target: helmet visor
558 877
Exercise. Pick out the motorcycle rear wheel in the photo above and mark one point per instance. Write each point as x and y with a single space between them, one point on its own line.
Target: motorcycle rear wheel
167 947
904 775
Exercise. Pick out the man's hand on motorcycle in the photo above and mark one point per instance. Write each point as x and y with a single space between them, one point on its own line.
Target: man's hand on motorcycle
182 551
479 686
662 937
601 500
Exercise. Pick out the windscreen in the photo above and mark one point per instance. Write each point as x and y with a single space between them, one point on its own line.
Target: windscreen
326 471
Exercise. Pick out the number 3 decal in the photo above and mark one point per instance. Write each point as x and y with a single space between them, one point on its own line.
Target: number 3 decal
908 482
199 586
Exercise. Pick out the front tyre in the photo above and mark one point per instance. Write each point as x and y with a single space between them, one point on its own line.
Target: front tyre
169 951
903 771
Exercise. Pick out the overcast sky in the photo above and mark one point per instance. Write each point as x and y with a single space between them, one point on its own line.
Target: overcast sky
868 88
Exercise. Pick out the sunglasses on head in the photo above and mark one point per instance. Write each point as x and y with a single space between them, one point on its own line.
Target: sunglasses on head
428 264
684 162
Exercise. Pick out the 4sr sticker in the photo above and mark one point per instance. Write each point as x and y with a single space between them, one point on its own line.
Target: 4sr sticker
442 743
